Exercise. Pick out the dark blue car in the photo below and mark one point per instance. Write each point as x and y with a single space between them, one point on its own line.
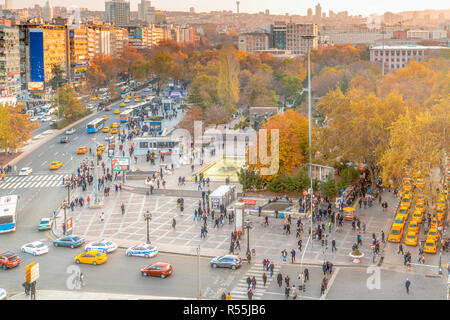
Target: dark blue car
69 241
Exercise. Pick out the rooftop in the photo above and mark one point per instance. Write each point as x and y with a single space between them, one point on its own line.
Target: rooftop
408 47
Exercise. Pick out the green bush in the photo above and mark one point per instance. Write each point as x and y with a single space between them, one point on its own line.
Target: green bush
156 118
65 122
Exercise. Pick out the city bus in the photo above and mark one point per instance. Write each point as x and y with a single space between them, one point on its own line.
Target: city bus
8 213
95 125
158 145
124 116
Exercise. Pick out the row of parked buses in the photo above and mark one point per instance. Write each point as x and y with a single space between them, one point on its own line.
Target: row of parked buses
417 217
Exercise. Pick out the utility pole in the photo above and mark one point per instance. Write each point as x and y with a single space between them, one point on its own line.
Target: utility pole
382 65
148 218
248 226
95 172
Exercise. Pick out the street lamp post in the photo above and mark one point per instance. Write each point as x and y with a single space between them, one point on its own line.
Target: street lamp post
95 173
308 38
248 225
148 218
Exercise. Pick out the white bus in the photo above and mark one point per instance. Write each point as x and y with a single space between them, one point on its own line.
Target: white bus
95 125
8 213
157 145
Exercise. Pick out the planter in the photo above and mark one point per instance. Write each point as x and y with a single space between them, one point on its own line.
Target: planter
356 258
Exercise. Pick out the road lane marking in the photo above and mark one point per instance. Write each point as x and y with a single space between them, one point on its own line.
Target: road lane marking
32 184
43 163
56 153
40 154
39 183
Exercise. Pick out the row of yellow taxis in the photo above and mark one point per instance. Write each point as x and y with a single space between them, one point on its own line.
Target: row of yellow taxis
417 217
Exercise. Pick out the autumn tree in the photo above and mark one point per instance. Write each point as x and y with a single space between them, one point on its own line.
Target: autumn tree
358 128
69 105
228 78
292 145
15 127
190 116
58 77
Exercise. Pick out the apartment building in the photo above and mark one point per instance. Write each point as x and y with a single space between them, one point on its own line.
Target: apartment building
9 62
117 12
301 36
253 41
78 53
418 34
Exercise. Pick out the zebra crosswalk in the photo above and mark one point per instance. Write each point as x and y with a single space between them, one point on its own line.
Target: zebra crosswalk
32 181
257 270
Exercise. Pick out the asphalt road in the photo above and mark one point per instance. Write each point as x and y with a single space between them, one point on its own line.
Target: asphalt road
38 202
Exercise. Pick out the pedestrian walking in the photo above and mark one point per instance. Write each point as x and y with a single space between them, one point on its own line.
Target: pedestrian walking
81 279
253 283
286 291
407 285
264 277
272 266
123 208
292 255
249 282
224 296
228 296
280 279
250 294
287 280
382 236
306 273
333 245
400 249
174 223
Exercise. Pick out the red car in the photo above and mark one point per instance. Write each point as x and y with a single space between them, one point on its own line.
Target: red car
159 269
9 260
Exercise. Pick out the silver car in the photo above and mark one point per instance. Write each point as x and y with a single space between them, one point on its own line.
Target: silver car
228 261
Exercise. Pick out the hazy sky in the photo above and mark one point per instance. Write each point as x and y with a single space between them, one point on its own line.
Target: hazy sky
364 7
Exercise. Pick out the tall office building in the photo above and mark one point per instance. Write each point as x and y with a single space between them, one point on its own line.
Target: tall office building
318 11
8 5
143 8
117 12
47 12
300 36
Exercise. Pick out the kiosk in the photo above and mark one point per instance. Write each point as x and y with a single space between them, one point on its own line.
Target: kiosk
225 195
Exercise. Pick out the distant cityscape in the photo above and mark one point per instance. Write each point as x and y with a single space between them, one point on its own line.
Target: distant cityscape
73 37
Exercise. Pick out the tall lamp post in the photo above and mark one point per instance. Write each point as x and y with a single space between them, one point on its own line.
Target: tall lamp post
309 38
95 172
248 225
65 204
148 218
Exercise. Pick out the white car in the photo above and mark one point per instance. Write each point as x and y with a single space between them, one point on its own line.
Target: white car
3 294
142 250
35 248
109 138
71 131
103 245
25 171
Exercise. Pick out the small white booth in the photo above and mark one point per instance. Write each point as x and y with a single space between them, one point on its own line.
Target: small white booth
225 195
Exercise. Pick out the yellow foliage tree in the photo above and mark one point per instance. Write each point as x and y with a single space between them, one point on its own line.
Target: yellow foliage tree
15 127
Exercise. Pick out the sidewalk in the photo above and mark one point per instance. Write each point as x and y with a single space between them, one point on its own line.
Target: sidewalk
82 295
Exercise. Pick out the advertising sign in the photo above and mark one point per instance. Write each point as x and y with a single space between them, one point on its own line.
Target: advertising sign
120 164
36 55
69 225
35 86
249 201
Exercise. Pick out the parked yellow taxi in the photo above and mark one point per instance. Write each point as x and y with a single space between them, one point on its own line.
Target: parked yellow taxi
430 246
411 239
91 257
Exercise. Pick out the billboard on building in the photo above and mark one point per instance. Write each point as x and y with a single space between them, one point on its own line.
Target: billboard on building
37 55
120 164
36 86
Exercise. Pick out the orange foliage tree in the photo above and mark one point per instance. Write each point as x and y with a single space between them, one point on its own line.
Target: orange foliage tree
293 142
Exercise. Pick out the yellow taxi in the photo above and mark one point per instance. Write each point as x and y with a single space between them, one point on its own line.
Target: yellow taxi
441 204
411 239
420 198
420 183
395 235
413 226
137 100
101 146
94 98
420 207
440 214
437 221
407 184
105 117
430 246
82 150
117 111
399 221
55 165
114 125
403 212
433 234
417 216
106 129
406 202
114 130
123 104
91 257
128 97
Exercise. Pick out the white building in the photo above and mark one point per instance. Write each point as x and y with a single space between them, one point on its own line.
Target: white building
438 34
418 34
396 57
47 12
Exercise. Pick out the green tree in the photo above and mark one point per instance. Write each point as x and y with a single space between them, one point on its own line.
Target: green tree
58 80
162 67
329 188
